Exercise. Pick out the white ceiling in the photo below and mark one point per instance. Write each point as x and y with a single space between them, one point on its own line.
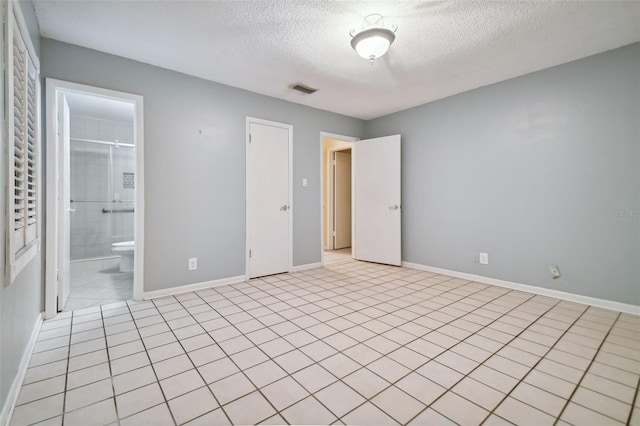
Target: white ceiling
441 48
99 107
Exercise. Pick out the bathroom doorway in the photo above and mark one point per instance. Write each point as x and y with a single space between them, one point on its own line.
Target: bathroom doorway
98 142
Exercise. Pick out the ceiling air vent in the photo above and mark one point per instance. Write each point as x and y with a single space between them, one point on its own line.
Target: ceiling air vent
303 88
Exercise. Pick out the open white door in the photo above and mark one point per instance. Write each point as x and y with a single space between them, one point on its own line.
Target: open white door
268 204
377 215
342 199
64 202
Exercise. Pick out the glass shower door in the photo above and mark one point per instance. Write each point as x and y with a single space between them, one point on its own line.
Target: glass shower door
91 178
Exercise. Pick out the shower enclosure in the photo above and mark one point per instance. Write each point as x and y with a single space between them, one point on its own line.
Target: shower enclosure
102 197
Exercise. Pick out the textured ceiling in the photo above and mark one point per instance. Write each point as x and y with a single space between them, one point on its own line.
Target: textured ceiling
441 48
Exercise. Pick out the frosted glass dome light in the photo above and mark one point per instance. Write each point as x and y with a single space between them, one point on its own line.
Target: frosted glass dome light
373 40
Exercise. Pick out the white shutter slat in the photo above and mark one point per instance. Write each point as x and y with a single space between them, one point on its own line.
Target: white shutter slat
31 140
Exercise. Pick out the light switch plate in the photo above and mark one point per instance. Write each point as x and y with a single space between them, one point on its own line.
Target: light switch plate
484 258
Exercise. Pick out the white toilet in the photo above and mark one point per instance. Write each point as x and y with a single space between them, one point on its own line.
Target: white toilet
126 251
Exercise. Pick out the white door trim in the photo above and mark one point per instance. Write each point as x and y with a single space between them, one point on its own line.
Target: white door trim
52 217
289 129
323 136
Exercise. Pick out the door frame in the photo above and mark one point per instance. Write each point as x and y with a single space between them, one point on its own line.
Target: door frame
289 129
53 219
323 172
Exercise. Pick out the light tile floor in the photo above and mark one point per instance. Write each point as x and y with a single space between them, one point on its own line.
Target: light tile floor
351 343
98 287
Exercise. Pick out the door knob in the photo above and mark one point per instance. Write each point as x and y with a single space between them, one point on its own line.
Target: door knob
394 207
284 208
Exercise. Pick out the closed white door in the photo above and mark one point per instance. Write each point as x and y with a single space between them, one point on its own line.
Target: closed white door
342 199
268 200
376 195
64 202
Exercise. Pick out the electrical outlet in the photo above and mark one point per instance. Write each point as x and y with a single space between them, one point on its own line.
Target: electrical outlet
555 271
193 263
484 258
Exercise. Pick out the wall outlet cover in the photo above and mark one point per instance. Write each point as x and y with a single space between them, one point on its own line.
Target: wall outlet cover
484 258
193 263
555 271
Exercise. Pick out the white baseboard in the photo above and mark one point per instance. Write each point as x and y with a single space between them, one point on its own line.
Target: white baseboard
571 297
192 287
14 391
307 266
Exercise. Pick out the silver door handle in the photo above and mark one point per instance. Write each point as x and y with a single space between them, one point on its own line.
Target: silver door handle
71 210
394 207
284 208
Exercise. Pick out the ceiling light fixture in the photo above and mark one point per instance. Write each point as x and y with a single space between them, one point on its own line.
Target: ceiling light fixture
374 39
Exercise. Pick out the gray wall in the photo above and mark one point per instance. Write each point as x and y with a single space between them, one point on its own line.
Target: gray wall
195 182
528 170
20 302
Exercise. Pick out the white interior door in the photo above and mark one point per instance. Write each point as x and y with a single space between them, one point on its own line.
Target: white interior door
376 193
268 200
64 202
342 199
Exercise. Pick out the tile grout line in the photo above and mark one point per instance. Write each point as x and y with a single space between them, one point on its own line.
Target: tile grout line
586 370
225 353
66 376
558 339
393 384
66 390
106 346
633 403
269 358
464 376
206 385
166 402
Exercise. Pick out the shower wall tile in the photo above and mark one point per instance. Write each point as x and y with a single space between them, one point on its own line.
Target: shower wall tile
106 130
92 128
